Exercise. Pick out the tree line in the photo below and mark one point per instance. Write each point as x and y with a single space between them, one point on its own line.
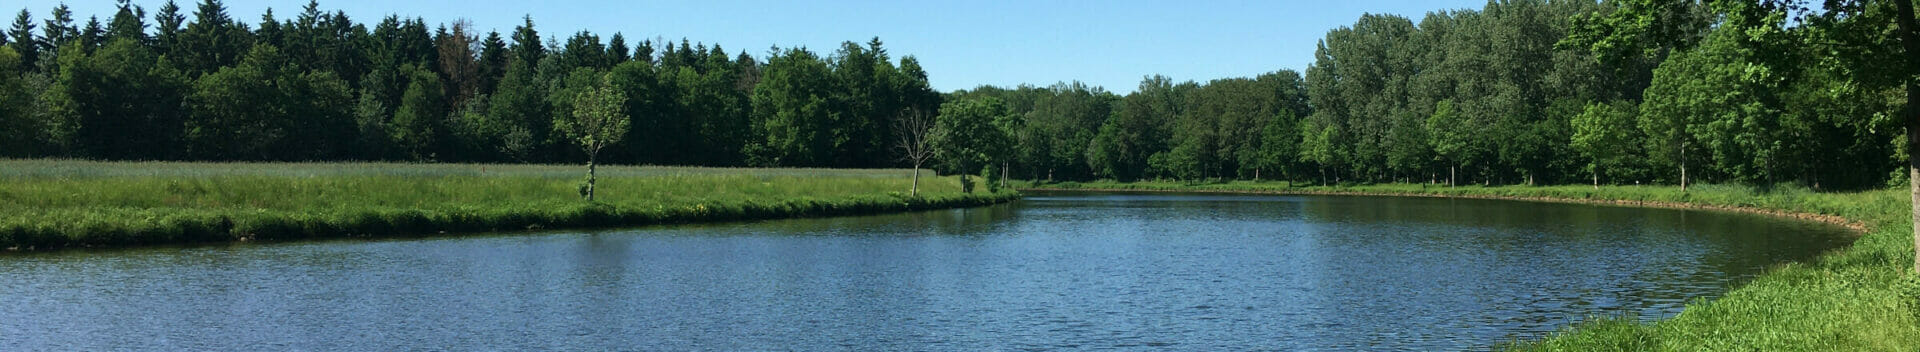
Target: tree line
320 86
1516 92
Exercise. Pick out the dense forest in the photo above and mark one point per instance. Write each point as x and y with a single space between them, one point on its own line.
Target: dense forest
320 86
1518 92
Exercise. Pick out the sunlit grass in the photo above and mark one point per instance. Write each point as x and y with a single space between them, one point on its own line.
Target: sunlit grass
46 204
1864 297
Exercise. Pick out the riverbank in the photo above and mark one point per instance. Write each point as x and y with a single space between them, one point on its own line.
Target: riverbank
1863 297
50 204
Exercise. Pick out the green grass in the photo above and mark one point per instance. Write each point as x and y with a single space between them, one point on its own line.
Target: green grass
60 204
1861 298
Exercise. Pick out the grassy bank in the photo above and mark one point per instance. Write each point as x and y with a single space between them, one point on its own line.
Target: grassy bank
1860 298
59 204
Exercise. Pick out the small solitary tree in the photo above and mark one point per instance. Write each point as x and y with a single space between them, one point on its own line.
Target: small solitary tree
599 119
911 131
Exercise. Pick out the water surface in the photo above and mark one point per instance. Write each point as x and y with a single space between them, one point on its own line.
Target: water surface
1054 271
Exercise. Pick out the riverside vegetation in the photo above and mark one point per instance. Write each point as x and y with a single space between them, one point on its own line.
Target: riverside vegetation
53 204
1858 299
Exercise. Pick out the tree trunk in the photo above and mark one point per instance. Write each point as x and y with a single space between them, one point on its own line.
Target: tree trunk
590 175
964 185
1683 168
1910 40
916 180
1596 179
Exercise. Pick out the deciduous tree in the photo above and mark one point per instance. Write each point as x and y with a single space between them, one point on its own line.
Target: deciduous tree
598 119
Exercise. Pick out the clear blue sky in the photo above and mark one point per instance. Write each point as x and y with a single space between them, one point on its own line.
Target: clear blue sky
962 44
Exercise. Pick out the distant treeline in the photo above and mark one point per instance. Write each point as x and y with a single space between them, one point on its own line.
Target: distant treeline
320 86
1522 91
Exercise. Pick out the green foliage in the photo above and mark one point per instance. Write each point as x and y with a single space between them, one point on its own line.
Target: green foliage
211 41
598 118
20 38
1318 142
1222 123
1184 162
1279 144
517 116
1603 133
791 112
19 130
990 175
263 109
1451 135
1635 36
418 124
1742 93
1055 134
120 102
239 113
1139 129
965 137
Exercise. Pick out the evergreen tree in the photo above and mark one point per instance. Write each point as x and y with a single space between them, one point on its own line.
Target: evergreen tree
167 27
59 30
22 41
493 62
213 40
617 50
129 22
527 47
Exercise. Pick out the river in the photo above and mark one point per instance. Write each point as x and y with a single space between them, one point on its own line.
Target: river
1053 271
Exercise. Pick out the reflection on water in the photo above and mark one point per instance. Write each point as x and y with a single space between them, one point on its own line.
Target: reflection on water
1057 270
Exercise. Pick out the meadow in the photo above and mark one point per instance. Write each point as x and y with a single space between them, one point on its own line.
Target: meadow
1860 298
46 204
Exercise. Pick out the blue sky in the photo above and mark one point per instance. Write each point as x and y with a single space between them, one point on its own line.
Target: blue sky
962 44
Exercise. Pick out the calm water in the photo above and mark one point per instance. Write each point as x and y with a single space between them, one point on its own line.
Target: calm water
1055 271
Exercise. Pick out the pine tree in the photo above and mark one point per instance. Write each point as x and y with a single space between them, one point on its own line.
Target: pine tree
21 39
493 62
167 26
129 22
617 50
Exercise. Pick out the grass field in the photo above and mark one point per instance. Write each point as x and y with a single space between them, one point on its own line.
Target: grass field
60 204
1861 298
